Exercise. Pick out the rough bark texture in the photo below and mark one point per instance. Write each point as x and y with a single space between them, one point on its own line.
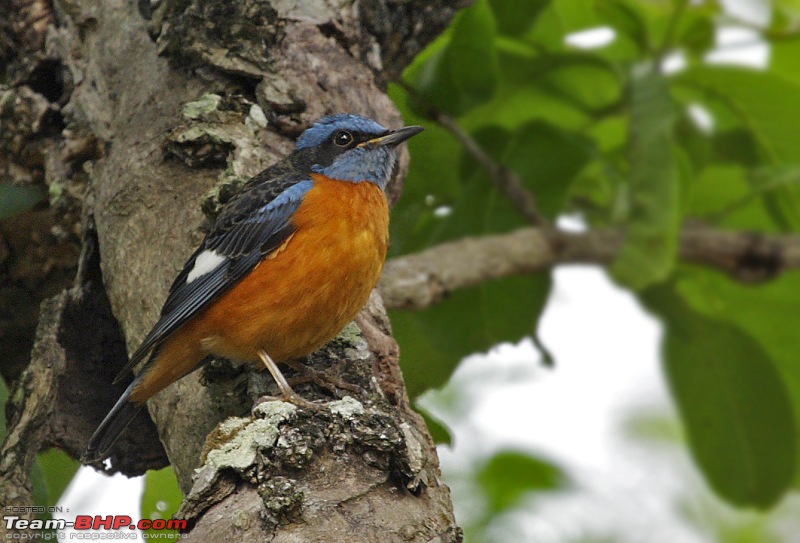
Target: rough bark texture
69 362
148 118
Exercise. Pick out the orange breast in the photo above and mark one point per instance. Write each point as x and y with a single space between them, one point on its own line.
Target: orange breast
304 294
298 298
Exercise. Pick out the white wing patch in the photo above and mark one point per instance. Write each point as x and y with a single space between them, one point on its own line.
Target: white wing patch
206 262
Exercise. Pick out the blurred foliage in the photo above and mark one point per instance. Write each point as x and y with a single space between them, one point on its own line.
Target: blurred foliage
52 471
57 469
162 497
502 484
16 199
697 507
737 412
509 475
608 133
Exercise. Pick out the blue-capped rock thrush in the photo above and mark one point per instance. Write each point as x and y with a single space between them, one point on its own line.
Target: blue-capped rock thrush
289 261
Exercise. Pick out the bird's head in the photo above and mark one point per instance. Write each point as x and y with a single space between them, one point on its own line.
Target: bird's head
351 148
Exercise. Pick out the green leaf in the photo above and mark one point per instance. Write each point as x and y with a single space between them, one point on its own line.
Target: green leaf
628 20
565 89
733 403
463 74
516 17
162 496
735 146
15 200
694 142
760 100
432 182
585 80
697 31
547 159
560 18
433 341
793 5
39 492
610 135
780 190
439 431
719 188
785 58
767 312
656 427
650 248
57 469
509 475
515 105
725 196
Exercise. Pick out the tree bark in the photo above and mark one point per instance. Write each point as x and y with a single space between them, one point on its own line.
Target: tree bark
166 110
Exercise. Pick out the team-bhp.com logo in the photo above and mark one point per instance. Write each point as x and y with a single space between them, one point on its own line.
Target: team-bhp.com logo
84 523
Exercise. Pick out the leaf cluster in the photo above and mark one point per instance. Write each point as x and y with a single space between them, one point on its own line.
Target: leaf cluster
640 132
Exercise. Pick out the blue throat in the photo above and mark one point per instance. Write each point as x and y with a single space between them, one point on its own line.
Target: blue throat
356 164
362 164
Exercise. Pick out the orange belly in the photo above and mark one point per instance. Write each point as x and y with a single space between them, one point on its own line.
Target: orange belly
298 298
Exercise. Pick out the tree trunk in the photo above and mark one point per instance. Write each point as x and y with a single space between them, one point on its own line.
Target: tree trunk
168 108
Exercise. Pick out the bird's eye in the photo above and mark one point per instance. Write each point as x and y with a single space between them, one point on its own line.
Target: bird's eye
343 138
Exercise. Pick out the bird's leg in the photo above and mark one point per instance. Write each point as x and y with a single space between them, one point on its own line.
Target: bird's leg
308 374
287 393
286 390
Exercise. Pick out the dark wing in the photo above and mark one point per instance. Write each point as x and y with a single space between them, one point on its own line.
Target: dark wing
251 226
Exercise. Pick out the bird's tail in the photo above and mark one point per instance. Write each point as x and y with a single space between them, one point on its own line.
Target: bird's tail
112 426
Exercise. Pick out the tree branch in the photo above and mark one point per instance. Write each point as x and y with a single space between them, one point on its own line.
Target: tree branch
423 279
506 180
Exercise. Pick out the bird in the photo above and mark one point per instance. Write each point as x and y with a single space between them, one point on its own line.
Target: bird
287 263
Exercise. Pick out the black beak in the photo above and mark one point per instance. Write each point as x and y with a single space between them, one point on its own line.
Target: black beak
395 137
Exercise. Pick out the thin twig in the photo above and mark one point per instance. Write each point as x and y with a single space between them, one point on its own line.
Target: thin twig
506 180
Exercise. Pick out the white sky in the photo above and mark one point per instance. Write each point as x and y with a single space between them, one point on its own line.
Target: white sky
607 368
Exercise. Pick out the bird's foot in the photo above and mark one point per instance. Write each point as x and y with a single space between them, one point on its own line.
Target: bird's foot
287 394
321 379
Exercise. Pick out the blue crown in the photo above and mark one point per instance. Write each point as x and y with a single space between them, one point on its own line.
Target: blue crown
325 127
